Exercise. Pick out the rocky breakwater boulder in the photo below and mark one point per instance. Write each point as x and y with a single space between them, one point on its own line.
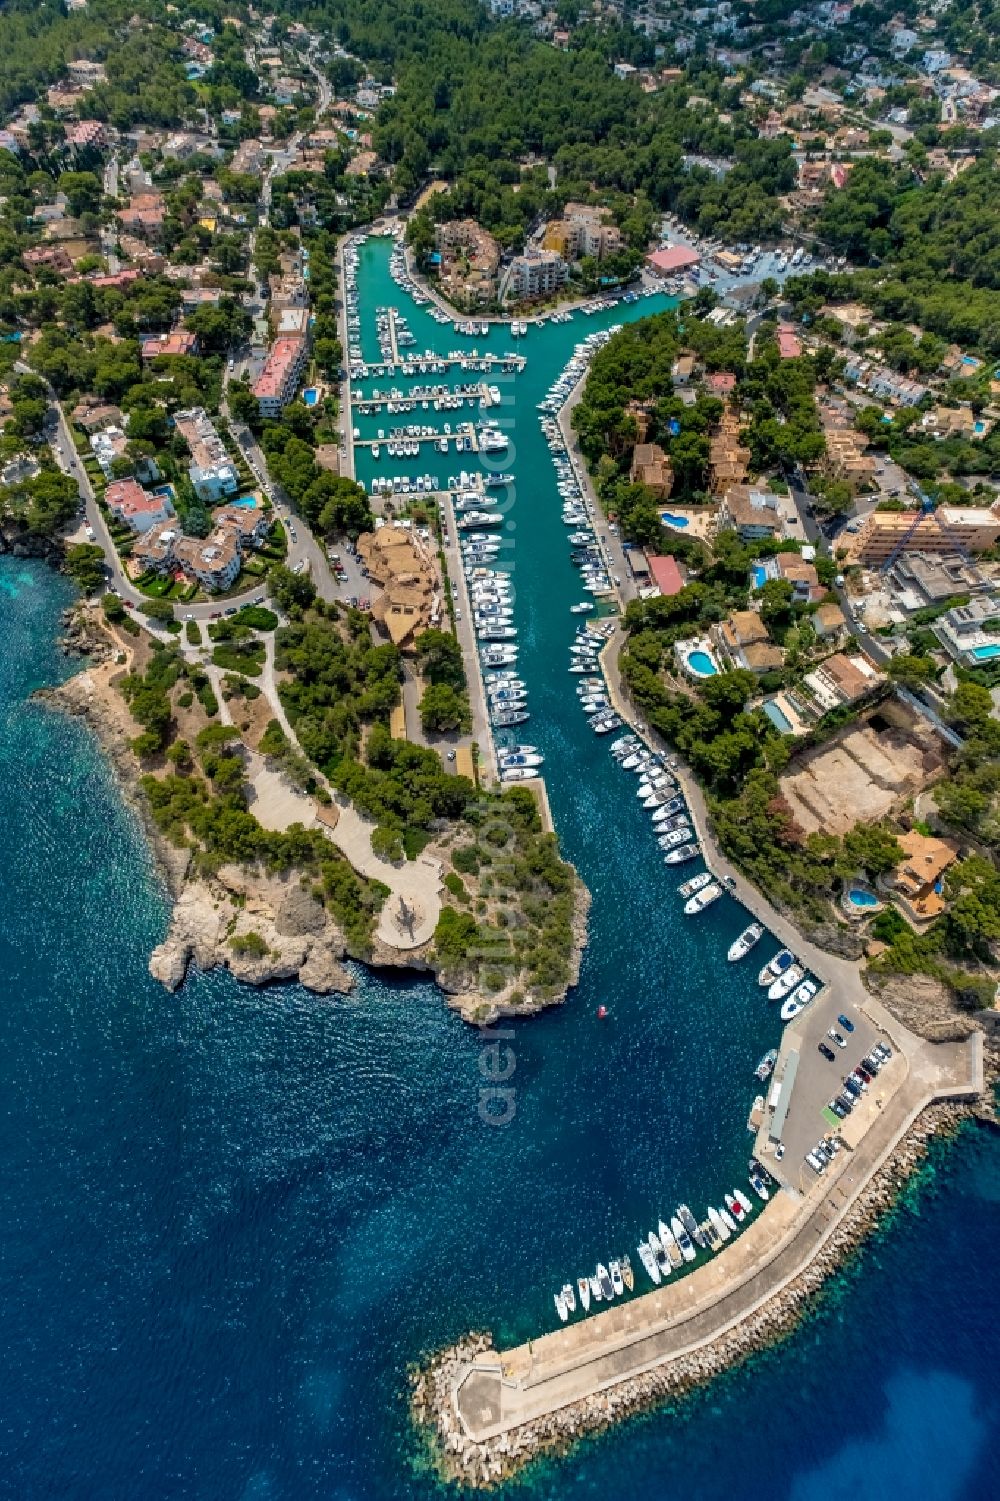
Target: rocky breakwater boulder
263 929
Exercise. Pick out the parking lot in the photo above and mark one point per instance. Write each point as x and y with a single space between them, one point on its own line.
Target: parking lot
818 1081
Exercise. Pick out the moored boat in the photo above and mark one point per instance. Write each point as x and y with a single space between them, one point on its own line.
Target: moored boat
561 1308
776 966
604 1278
569 1297
683 1239
785 983
649 1262
735 1209
696 883
628 1276
583 1288
617 1280
741 946
766 1065
702 899
718 1224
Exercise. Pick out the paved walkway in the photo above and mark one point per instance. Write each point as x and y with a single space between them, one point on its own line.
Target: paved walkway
410 913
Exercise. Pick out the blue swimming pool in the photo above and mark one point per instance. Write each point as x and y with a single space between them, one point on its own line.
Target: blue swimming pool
859 897
310 396
780 720
701 663
678 522
245 502
759 575
986 653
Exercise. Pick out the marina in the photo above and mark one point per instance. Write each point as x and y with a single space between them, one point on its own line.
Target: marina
520 601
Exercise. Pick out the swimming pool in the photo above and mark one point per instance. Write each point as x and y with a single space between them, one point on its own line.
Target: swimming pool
701 664
986 653
245 502
310 396
759 575
780 720
859 897
677 522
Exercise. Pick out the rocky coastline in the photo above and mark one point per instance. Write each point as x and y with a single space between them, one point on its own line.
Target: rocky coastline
465 1462
264 929
17 541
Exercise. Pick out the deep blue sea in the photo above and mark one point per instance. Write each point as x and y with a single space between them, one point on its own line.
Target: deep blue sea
229 1219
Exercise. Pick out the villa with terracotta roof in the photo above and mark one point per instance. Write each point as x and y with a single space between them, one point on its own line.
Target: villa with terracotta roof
138 508
179 341
916 884
410 590
743 642
651 467
752 512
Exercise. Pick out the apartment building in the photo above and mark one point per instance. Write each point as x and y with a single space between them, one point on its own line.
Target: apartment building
537 273
582 231
139 509
964 633
279 379
470 257
212 472
949 529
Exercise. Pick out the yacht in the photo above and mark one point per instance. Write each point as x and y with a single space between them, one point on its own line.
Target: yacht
583 1288
736 1209
561 1308
683 853
696 883
595 1290
670 1245
776 966
628 1276
785 983
683 1239
605 1281
617 1280
798 1000
718 1224
649 1262
687 1219
742 945
659 1252
569 1297
702 899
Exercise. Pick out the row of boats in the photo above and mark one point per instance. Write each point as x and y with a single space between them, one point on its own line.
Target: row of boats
667 1248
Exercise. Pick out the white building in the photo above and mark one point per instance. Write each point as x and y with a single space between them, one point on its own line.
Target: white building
211 471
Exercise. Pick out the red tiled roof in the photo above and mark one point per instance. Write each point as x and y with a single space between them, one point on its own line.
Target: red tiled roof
666 573
674 258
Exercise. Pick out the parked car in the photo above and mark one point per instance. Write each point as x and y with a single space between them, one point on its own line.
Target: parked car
836 1037
847 1025
827 1052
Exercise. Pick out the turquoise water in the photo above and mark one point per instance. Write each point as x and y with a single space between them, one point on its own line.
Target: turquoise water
701 663
986 653
232 1218
759 575
858 897
678 522
245 502
310 396
777 717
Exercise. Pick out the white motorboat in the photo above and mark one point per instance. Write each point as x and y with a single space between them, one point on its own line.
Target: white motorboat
798 1000
683 1239
741 946
682 853
776 966
561 1308
670 1245
617 1280
649 1262
595 1289
659 1254
735 1209
702 899
604 1278
569 1297
728 1221
696 883
785 983
718 1224
745 1203
583 1288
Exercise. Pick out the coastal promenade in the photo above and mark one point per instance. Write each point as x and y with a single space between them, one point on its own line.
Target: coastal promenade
496 1394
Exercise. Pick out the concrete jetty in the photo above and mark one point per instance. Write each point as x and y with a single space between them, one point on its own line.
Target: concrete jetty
498 1409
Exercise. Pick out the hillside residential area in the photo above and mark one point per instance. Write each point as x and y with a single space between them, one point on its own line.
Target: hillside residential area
288 389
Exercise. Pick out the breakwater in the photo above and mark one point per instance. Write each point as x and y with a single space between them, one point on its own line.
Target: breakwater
488 1461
